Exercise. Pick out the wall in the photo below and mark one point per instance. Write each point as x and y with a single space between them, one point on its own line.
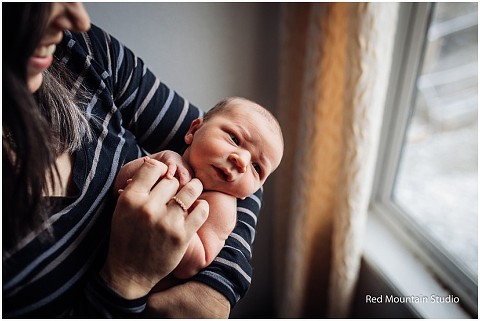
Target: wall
204 50
207 51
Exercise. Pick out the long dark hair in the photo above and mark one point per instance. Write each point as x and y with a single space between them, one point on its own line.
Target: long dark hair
26 149
36 127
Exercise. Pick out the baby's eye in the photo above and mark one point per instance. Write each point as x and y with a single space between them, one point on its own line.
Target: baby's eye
257 168
234 139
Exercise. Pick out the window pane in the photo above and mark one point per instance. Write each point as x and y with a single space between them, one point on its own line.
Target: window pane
437 180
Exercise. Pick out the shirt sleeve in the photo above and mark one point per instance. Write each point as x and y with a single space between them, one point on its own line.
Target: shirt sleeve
102 300
231 272
154 113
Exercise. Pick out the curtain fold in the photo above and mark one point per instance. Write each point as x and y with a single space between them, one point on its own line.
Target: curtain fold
334 66
371 40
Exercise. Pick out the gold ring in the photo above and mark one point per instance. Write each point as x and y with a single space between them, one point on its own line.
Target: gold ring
180 203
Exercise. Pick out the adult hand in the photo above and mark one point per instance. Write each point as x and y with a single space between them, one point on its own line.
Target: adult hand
150 231
191 300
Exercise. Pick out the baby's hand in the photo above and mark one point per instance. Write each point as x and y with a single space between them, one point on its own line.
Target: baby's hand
177 166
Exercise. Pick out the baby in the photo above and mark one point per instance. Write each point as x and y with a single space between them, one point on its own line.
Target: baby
231 150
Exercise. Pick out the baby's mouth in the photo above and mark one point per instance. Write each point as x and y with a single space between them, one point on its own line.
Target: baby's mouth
224 174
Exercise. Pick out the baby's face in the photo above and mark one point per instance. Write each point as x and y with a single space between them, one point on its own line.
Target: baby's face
233 152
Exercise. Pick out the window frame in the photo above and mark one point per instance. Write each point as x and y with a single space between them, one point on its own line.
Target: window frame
413 22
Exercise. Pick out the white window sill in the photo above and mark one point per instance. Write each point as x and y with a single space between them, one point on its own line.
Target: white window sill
409 278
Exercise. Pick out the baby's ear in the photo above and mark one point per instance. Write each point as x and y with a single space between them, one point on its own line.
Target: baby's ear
194 126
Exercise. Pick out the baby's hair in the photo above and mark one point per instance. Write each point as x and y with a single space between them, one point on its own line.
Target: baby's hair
226 104
219 107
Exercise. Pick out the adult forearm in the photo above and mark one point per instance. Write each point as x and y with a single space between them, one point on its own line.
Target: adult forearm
189 300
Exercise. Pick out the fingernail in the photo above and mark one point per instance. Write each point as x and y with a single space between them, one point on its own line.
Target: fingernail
149 160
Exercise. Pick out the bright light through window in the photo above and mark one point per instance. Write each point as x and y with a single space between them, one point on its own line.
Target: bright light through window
437 182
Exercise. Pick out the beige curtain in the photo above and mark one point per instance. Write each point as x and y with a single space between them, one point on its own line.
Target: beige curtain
334 67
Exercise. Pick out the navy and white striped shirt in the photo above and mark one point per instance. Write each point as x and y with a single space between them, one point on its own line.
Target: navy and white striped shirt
55 272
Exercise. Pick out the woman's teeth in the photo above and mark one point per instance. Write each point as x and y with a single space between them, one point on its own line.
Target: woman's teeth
44 51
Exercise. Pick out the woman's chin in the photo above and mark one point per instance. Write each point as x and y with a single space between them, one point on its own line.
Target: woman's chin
35 82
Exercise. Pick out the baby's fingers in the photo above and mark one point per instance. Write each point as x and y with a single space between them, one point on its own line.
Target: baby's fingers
183 175
172 168
147 176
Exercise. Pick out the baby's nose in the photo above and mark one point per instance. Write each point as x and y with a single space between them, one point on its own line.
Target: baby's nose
239 161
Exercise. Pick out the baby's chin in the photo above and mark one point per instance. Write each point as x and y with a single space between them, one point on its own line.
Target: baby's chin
242 197
238 195
209 186
213 189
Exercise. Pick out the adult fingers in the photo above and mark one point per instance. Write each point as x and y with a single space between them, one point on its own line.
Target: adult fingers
147 176
187 194
197 216
190 192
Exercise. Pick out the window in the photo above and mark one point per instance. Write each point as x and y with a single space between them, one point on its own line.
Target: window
427 183
437 179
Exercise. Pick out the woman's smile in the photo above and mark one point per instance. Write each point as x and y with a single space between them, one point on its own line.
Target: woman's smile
63 16
41 59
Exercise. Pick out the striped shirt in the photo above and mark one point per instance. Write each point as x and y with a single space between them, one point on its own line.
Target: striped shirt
54 272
